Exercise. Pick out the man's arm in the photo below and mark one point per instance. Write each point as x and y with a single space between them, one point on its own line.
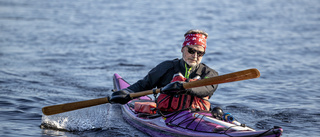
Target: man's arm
152 78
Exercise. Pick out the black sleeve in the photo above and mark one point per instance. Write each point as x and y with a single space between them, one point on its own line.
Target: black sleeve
205 90
152 78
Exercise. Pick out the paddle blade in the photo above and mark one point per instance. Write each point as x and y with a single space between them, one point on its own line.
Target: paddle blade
231 77
56 109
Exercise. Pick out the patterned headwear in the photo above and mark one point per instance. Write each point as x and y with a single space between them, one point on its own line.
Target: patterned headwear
195 39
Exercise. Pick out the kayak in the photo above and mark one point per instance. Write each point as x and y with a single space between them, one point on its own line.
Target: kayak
142 114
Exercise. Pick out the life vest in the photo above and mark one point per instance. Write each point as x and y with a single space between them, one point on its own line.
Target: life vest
178 102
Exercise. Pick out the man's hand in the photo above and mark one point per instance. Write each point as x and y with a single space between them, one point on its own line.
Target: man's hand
122 97
173 88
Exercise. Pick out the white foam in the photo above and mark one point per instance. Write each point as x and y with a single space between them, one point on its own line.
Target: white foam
97 117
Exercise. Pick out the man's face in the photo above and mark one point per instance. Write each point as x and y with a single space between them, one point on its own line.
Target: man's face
192 59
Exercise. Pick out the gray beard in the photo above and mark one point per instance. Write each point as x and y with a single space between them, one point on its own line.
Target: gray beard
191 64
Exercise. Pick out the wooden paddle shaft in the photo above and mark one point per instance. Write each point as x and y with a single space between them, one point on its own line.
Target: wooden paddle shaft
56 109
231 77
143 93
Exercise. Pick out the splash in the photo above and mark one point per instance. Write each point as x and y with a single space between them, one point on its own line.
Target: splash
93 118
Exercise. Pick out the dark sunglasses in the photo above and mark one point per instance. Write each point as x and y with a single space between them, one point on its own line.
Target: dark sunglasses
192 51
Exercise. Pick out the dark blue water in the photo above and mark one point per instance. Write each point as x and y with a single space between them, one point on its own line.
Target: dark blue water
54 52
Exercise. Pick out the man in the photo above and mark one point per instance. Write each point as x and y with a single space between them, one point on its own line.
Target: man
169 76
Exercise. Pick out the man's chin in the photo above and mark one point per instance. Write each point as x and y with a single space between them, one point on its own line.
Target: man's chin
192 64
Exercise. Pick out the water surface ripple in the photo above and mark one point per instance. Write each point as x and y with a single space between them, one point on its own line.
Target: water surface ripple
54 52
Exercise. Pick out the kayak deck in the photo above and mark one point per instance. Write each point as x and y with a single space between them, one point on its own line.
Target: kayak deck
185 122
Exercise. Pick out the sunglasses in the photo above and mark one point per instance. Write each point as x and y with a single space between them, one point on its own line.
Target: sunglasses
192 51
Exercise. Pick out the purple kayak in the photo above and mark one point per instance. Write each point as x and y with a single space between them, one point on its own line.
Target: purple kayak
184 122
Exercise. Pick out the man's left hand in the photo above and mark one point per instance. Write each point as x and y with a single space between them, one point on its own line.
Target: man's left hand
173 88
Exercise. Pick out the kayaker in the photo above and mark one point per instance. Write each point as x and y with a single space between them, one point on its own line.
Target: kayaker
169 76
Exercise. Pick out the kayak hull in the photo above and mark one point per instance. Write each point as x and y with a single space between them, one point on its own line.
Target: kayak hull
161 126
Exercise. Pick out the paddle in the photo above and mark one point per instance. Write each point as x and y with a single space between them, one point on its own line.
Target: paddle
231 77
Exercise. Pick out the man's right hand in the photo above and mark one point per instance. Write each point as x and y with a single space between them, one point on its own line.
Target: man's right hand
121 96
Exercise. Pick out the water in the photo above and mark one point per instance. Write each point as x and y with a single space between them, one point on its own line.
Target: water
55 52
